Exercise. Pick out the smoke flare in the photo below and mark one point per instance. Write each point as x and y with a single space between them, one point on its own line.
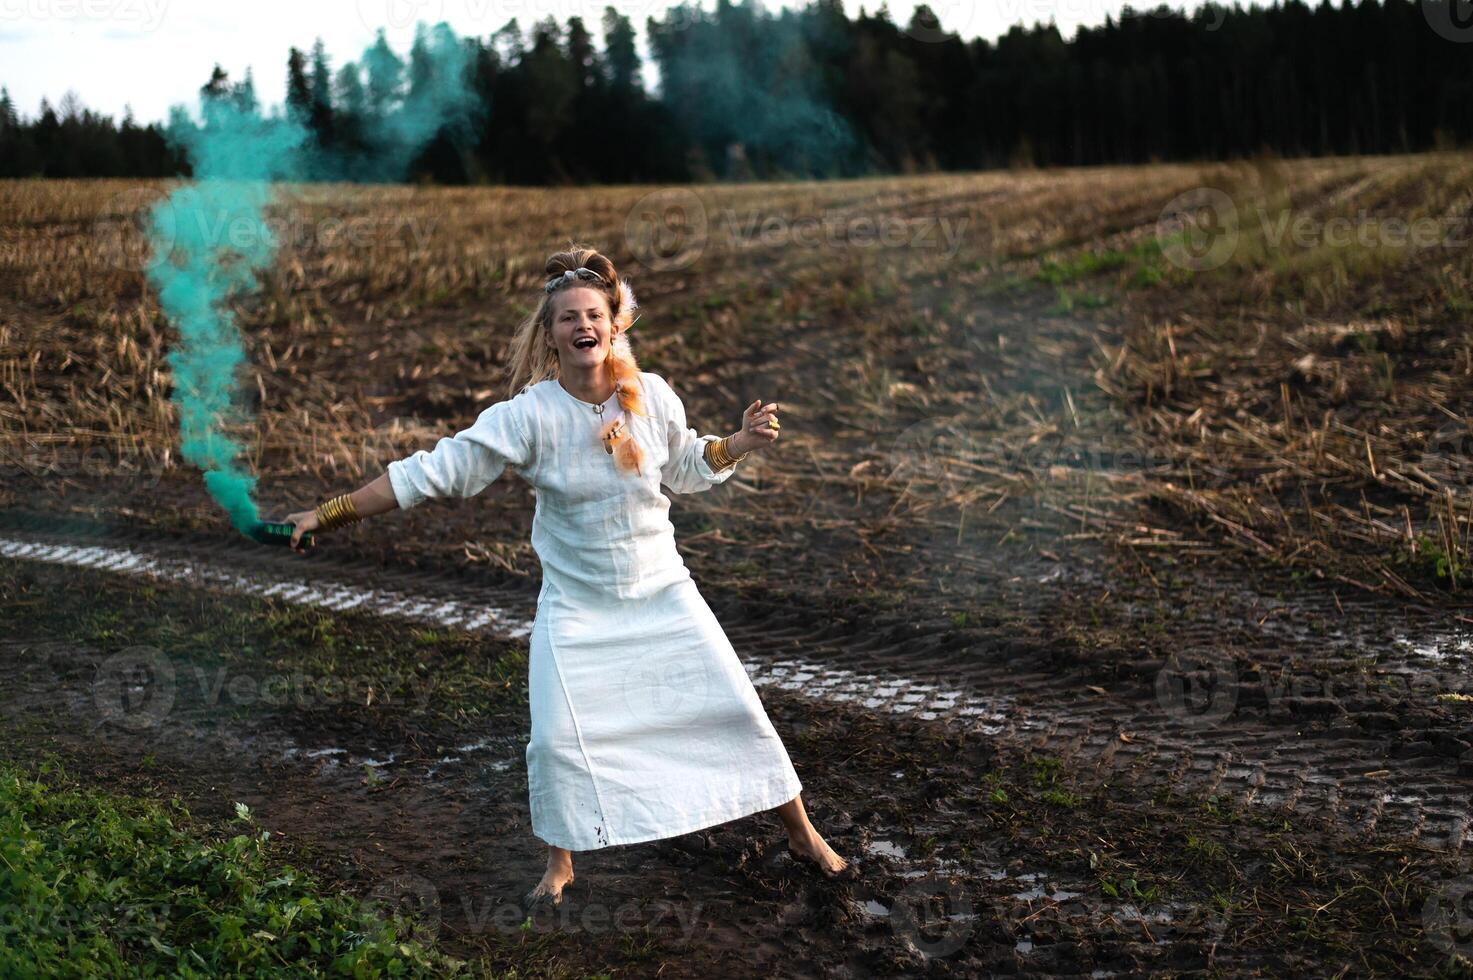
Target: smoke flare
211 240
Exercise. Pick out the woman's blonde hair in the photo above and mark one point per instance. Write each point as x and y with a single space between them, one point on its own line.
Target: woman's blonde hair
533 360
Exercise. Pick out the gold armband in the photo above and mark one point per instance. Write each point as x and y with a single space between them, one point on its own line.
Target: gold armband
337 512
718 454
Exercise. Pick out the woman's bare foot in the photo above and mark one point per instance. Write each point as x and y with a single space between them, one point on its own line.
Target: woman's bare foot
804 842
559 873
814 848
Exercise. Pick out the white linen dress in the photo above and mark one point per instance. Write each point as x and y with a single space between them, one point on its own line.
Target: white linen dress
644 722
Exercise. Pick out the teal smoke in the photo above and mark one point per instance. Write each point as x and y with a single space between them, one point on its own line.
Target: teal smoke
210 238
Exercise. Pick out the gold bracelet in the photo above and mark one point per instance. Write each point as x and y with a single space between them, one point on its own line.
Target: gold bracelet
712 452
718 454
337 512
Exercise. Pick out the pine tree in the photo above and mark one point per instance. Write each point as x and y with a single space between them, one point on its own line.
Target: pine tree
581 53
420 70
554 83
245 94
348 91
320 87
352 108
298 91
9 120
71 107
385 77
509 44
620 55
218 86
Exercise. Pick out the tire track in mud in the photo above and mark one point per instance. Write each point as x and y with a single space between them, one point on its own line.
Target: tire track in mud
1189 737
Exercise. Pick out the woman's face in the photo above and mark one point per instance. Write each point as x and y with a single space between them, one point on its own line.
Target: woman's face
580 314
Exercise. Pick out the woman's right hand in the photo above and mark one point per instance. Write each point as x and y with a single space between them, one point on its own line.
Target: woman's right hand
302 522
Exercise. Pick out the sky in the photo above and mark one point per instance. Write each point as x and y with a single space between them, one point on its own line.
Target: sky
151 54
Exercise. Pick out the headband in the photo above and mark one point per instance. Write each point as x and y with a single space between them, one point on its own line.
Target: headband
627 306
581 272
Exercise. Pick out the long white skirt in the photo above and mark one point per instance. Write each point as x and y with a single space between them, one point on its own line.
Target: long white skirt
644 723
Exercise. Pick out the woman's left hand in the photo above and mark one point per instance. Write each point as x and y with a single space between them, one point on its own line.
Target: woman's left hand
760 427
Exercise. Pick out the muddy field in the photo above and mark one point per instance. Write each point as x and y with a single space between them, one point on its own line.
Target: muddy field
1107 632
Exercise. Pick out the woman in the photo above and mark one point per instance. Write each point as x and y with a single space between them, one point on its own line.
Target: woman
644 722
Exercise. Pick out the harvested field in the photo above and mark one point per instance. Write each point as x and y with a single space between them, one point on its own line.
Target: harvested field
1109 585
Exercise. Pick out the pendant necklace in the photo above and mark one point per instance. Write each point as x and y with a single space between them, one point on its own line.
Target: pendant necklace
614 433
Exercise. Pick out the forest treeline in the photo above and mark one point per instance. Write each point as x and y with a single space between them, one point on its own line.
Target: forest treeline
750 93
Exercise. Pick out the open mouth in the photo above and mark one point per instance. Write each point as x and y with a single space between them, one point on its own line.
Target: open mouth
586 343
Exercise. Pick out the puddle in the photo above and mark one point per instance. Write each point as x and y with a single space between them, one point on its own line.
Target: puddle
484 744
333 756
886 848
1037 892
501 743
1452 646
1156 914
890 694
992 721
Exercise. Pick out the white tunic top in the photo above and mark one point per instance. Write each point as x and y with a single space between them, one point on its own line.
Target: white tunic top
644 722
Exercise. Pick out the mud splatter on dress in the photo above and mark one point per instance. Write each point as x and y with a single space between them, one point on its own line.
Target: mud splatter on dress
644 722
